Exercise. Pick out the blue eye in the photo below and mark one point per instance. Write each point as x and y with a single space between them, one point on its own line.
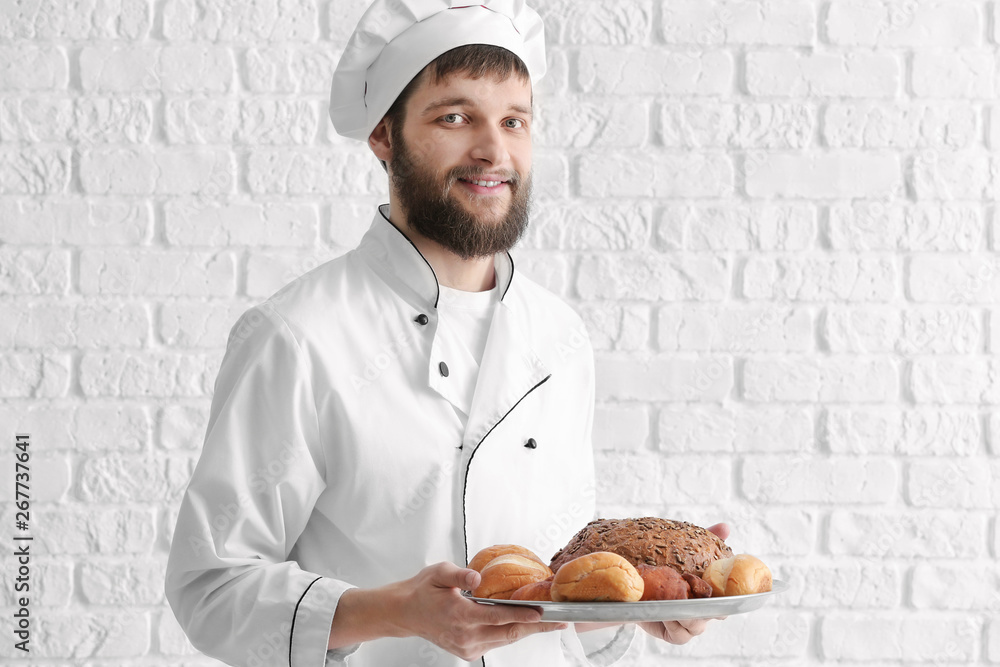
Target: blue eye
514 123
452 118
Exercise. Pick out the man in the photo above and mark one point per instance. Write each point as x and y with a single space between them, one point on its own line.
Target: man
379 420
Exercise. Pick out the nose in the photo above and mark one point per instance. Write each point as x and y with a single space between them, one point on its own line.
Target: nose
490 146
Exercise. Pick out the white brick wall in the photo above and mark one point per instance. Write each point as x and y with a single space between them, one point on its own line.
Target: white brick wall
776 216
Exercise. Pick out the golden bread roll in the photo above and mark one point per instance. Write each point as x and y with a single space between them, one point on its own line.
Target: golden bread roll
740 575
539 591
505 574
600 576
650 540
484 556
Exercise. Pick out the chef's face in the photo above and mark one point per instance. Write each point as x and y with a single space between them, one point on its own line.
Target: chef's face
461 162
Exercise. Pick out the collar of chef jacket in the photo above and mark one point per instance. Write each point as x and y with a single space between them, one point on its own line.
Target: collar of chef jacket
399 261
508 354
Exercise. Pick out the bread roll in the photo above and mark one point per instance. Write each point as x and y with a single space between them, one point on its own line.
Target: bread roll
699 587
505 574
662 583
650 540
484 556
600 576
539 591
740 575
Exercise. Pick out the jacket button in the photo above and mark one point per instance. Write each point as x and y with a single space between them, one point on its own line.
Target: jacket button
443 367
531 444
421 319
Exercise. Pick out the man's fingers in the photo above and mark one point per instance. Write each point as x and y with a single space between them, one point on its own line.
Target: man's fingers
681 632
502 635
720 529
471 645
463 627
449 575
676 632
496 614
694 627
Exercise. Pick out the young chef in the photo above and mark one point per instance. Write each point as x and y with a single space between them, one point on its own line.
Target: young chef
382 418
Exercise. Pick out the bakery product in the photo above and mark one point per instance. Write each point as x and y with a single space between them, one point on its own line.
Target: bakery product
505 574
539 591
599 576
739 575
662 583
484 556
650 540
699 587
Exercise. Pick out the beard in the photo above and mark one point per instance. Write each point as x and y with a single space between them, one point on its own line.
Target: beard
437 214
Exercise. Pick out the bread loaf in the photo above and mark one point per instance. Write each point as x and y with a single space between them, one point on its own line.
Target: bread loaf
683 546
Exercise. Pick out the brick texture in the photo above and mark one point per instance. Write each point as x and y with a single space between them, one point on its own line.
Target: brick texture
777 219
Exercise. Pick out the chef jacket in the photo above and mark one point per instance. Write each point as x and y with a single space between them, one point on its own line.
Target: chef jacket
334 458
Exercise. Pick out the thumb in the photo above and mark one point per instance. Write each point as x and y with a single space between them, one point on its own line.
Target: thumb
449 575
720 529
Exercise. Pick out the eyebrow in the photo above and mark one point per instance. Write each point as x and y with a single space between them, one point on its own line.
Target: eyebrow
466 102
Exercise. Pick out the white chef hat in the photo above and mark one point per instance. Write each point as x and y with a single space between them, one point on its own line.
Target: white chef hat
396 39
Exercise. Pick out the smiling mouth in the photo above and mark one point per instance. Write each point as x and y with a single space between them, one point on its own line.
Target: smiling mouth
482 183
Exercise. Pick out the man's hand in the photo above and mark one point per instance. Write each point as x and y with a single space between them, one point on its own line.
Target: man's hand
681 632
431 605
676 632
720 529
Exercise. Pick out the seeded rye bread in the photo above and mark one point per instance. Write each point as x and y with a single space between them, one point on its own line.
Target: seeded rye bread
683 546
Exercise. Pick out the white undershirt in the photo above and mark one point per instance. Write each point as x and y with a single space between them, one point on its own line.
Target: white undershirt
464 324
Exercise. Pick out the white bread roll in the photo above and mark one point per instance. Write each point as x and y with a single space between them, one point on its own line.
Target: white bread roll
505 574
481 559
739 575
601 575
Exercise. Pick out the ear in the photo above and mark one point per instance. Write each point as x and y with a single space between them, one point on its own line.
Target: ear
379 141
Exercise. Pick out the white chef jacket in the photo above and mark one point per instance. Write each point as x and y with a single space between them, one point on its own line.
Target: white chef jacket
464 320
333 459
